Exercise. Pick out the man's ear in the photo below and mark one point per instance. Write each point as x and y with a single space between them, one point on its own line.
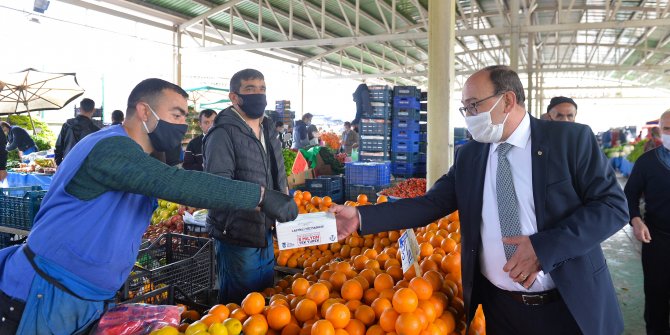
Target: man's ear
142 111
509 100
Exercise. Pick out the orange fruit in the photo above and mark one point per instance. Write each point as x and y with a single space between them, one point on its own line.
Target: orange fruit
362 199
239 314
383 281
253 303
291 329
370 295
208 319
327 201
278 317
343 267
355 327
300 286
405 300
382 199
449 321
434 278
353 305
352 290
394 271
337 279
305 310
221 311
426 249
364 282
255 325
322 327
422 287
339 315
326 304
359 261
190 314
375 330
306 196
408 324
365 314
428 309
318 293
451 263
388 319
448 245
380 305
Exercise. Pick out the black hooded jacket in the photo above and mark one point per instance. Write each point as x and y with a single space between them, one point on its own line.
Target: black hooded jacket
231 150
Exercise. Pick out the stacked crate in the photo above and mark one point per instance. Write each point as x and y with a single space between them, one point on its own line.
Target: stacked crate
284 112
375 128
409 130
366 178
330 186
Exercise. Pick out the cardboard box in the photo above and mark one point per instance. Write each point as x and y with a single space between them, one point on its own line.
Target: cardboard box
299 179
307 230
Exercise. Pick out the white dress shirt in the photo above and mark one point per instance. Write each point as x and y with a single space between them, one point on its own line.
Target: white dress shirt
492 257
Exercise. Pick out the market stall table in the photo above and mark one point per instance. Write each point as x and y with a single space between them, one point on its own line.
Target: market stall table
16 179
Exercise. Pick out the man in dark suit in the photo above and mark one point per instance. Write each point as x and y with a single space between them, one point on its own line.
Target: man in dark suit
535 199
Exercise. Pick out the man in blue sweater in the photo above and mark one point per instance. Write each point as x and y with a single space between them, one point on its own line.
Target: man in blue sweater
87 233
650 179
18 138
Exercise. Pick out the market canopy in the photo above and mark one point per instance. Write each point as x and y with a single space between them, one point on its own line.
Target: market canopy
625 42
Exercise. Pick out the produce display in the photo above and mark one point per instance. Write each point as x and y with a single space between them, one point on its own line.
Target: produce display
328 157
289 158
167 218
409 188
354 286
638 150
331 140
39 165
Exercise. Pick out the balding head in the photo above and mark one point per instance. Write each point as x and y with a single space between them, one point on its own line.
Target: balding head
664 122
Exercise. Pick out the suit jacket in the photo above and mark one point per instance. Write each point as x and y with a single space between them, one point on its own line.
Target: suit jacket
578 204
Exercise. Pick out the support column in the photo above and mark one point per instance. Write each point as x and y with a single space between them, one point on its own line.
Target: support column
441 40
531 67
301 84
176 56
515 35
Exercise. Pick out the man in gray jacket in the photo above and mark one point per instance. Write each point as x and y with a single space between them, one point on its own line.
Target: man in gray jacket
243 145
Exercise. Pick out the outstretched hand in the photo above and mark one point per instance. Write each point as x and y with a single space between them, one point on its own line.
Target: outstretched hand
523 266
347 220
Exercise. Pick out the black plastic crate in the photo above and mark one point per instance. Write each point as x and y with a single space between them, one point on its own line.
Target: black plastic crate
19 205
380 110
423 147
408 157
405 146
374 143
374 156
423 136
407 91
183 261
8 240
375 127
380 93
406 102
371 191
325 186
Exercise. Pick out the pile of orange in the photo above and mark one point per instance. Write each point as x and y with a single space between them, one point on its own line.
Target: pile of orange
311 204
357 287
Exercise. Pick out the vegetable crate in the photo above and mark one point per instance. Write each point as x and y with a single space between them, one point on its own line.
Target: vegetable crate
358 173
19 205
406 102
326 186
375 127
371 191
407 91
380 110
408 124
185 262
374 143
380 93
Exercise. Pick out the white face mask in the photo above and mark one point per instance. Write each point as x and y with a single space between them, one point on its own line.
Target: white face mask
482 128
666 140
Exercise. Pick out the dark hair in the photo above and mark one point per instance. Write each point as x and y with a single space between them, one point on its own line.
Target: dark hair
117 116
555 101
148 90
347 124
87 105
505 79
206 113
246 74
306 116
5 125
279 124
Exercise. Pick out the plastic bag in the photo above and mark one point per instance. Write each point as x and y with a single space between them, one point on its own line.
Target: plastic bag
354 155
137 319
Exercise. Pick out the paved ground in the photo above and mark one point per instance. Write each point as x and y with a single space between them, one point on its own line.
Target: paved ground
622 251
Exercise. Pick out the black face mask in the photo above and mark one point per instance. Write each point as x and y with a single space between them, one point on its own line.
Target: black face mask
253 104
166 136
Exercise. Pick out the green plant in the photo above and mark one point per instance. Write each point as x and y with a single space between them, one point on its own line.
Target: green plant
46 139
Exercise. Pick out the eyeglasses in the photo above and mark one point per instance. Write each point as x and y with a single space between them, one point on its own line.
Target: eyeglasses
471 109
